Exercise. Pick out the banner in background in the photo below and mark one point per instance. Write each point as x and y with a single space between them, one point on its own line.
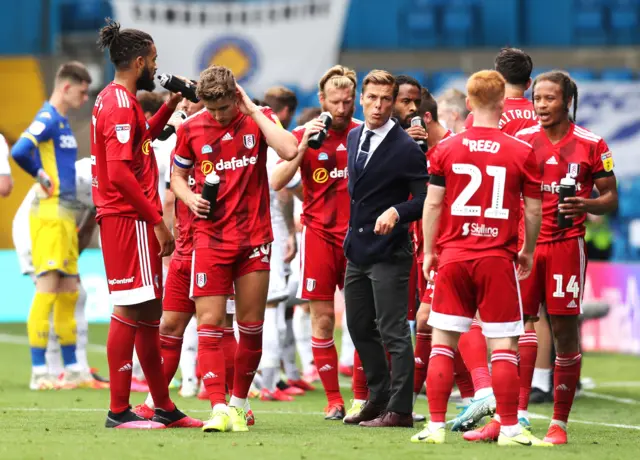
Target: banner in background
617 285
608 109
264 43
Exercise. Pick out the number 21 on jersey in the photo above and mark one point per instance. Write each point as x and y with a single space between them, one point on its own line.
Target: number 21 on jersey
496 211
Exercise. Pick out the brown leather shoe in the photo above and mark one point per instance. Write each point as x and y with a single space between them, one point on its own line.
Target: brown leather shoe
390 419
369 411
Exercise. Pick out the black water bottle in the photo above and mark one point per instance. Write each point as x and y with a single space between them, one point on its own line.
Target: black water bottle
566 189
316 140
210 192
417 121
177 85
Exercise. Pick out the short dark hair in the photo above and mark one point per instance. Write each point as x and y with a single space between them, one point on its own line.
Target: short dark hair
308 114
280 97
150 101
567 85
124 45
514 65
428 104
74 71
407 80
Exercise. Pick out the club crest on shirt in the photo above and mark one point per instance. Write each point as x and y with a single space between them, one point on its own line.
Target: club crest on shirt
123 133
206 148
201 279
249 141
322 156
311 284
574 170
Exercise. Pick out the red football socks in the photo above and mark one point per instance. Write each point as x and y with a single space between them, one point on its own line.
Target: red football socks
170 349
565 381
473 348
462 376
120 342
421 358
248 356
528 348
359 379
148 349
325 357
211 362
439 381
229 347
504 364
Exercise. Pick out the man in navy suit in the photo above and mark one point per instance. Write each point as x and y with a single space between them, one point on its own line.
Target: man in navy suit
387 185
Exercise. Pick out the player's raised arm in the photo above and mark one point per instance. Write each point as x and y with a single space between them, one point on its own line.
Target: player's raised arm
285 170
279 139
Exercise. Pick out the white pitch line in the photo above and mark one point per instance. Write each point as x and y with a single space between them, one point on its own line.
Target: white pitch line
632 384
24 340
591 394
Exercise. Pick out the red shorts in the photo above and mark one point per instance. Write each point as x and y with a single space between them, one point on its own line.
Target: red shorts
214 270
322 267
177 287
131 261
557 278
487 285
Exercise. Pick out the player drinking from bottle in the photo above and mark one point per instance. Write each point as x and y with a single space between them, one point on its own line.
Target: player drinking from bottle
564 150
232 249
133 235
325 217
477 178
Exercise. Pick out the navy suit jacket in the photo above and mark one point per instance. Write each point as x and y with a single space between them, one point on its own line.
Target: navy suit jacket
396 171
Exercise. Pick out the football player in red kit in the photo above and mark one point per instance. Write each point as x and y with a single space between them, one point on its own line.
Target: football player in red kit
477 179
229 140
565 152
325 218
133 235
515 66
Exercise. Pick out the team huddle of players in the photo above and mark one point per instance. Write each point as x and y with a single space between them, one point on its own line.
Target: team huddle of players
492 199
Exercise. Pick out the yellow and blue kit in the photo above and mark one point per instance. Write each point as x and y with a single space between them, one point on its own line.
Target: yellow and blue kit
49 144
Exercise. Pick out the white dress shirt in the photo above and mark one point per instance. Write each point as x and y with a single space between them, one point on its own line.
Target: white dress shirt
5 169
377 138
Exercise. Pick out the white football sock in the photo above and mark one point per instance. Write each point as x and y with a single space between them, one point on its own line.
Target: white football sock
237 402
523 414
483 392
189 351
511 431
289 353
82 330
541 379
302 333
270 362
348 348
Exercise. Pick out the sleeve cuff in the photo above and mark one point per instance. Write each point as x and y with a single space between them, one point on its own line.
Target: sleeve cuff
397 214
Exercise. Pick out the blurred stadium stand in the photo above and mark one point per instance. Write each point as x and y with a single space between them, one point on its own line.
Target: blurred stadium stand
431 40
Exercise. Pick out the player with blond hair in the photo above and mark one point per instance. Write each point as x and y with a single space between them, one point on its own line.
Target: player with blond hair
325 218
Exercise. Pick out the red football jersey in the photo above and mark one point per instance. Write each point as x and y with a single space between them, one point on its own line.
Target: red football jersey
416 227
581 155
484 172
326 203
238 154
183 227
518 114
119 131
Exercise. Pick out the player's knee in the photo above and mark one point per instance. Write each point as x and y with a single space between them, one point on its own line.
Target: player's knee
173 325
422 318
211 318
324 324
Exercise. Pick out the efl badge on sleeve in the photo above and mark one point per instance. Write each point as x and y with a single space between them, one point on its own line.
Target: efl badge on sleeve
201 279
249 141
123 133
574 170
311 284
607 161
